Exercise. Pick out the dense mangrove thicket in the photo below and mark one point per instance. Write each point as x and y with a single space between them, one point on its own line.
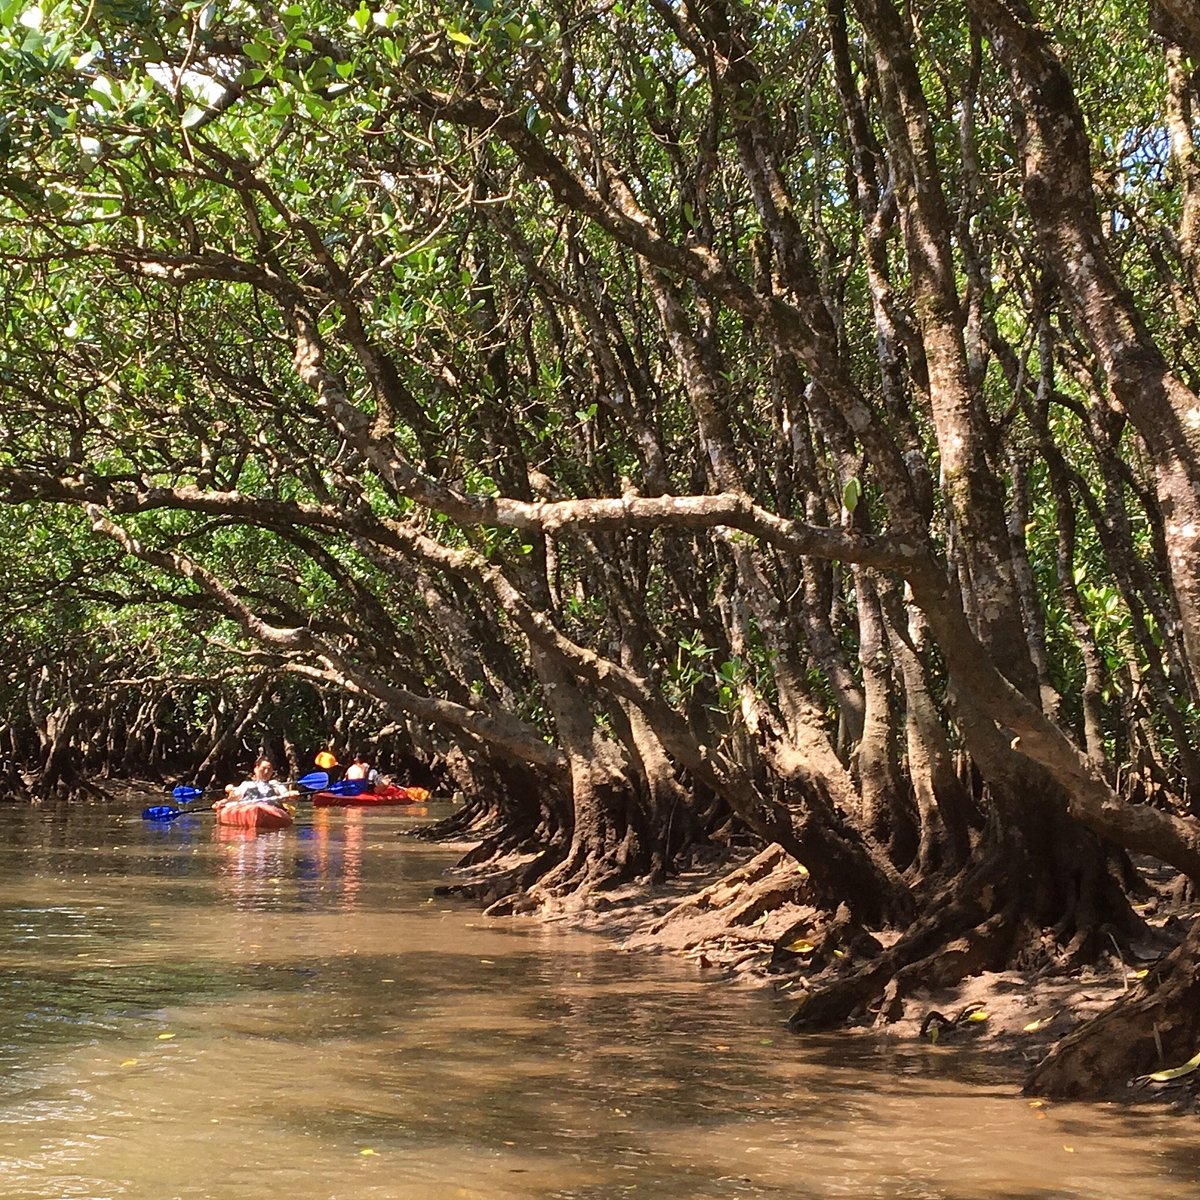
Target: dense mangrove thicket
105 677
688 423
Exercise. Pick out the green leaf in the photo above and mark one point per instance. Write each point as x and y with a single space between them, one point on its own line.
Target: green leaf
851 493
536 121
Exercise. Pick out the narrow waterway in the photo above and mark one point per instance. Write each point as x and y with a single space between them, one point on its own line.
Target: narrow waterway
295 1016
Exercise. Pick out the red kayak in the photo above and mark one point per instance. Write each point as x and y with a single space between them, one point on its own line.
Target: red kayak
390 794
251 814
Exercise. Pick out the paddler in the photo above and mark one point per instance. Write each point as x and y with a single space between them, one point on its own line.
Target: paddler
262 785
361 769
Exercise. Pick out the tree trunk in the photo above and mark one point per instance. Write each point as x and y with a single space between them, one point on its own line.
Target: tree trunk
1155 1026
1059 192
218 756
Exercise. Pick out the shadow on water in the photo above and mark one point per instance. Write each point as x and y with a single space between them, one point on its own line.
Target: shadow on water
302 1002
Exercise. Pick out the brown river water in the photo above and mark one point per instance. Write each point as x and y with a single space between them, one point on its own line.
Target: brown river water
296 1016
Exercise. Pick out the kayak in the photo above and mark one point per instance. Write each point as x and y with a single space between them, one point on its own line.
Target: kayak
393 793
251 814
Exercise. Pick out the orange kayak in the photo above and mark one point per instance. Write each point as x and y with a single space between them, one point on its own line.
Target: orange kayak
392 794
251 814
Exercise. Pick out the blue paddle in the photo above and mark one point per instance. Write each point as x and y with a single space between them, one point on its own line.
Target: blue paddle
164 812
347 787
316 781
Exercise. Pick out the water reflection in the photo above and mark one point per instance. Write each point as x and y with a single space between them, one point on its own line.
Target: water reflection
251 868
185 1013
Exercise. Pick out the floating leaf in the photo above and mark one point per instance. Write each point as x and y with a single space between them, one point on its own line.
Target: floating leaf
366 1150
130 1062
165 1037
979 1014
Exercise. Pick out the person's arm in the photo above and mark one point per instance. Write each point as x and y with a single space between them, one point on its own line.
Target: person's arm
231 793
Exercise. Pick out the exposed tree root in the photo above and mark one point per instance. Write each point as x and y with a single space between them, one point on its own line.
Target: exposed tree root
503 884
471 821
922 946
984 948
742 915
1155 1026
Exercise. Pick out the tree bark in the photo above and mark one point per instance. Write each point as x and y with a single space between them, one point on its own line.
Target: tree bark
1059 194
1155 1026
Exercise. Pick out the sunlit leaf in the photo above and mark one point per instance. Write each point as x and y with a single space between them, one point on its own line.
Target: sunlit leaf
1167 1075
800 946
852 493
1040 1023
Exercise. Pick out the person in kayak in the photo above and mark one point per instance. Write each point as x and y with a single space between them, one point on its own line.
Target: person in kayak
361 769
262 785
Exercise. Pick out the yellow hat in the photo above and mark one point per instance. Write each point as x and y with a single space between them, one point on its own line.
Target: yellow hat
325 760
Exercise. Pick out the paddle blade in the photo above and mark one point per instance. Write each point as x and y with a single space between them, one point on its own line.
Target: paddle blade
160 812
184 794
348 787
316 781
